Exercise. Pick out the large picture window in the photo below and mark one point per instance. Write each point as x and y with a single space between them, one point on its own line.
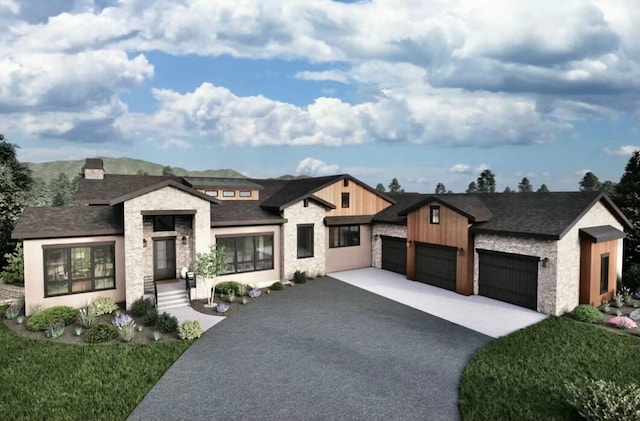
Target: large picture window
247 253
305 241
77 269
344 236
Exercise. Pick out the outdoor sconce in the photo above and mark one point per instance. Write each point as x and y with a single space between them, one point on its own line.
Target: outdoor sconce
144 242
544 262
409 243
376 236
184 240
460 251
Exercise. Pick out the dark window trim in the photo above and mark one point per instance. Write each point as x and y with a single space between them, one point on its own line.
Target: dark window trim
248 234
346 199
228 193
313 245
336 228
345 182
433 214
305 203
155 221
255 259
92 278
604 272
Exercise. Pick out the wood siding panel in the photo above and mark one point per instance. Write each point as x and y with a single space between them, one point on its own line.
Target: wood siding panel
590 271
361 200
453 230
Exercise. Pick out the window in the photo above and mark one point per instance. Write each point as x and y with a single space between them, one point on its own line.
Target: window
247 253
212 193
245 193
345 182
71 270
164 223
344 236
434 214
305 241
345 200
604 273
305 203
228 193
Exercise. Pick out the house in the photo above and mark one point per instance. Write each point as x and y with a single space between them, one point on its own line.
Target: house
544 251
126 232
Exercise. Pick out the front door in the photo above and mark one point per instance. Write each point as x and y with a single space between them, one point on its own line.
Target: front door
164 259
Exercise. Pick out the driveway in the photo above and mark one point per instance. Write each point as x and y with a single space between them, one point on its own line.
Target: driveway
485 315
321 351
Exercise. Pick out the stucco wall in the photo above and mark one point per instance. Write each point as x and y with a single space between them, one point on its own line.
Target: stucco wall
569 256
547 291
346 258
297 214
257 279
34 273
390 230
167 198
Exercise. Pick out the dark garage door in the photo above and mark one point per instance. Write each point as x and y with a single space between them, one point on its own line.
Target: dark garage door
436 265
394 254
508 277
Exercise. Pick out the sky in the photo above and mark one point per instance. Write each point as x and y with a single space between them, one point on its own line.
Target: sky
425 91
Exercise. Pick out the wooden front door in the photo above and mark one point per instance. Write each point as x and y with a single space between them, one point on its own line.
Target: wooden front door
164 259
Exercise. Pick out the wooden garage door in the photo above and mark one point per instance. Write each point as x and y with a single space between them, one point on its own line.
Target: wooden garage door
436 265
508 277
394 254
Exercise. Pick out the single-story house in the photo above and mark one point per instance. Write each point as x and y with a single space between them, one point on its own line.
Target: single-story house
544 251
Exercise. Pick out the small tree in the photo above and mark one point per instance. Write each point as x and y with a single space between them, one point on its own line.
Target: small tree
440 189
507 190
486 182
473 188
13 272
210 265
380 188
525 186
590 182
395 187
167 170
543 189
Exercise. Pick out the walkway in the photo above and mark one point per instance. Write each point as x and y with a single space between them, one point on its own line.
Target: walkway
485 315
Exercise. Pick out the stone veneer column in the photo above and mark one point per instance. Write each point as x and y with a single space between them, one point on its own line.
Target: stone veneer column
390 230
297 214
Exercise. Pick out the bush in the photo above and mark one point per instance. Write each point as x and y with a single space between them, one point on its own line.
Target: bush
141 306
227 287
102 332
55 330
605 400
276 286
44 318
631 277
13 310
623 322
86 317
127 331
13 272
588 314
103 305
150 318
299 277
222 307
167 323
189 330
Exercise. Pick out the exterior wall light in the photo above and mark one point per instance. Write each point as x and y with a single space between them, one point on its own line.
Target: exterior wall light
144 242
184 240
544 262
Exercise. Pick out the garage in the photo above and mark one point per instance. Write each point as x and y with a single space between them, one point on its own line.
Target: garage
509 277
394 254
436 265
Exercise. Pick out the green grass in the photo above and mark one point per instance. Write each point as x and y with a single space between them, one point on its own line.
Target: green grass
40 379
522 376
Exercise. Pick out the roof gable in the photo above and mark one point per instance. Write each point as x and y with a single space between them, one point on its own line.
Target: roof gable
158 186
470 206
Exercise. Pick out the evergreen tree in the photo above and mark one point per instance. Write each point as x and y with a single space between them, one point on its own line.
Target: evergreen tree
167 171
590 182
525 186
62 189
380 188
472 188
543 189
486 182
627 197
395 187
507 190
441 189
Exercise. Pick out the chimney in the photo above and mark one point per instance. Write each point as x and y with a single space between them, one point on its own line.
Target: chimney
93 169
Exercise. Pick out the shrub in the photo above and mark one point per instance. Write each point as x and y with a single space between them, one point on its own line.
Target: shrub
588 314
44 318
20 319
140 306
254 293
299 277
623 322
150 318
13 272
155 336
127 331
244 300
54 330
167 323
605 400
121 320
276 286
227 287
189 330
102 332
631 277
13 311
222 307
86 317
230 297
103 305
242 290
77 331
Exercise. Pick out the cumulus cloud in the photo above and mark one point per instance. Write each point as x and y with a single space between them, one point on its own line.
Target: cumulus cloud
624 150
460 169
316 167
332 75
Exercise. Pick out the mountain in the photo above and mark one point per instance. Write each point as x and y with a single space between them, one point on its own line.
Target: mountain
49 170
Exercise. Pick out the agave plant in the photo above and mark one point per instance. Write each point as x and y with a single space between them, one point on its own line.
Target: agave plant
253 293
222 307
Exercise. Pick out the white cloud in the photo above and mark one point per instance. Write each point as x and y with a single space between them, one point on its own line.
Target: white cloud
460 169
624 150
482 167
316 167
582 172
331 75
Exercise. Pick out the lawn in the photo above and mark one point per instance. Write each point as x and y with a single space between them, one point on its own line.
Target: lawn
521 376
41 379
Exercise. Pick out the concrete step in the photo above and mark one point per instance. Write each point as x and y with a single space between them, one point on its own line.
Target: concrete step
172 299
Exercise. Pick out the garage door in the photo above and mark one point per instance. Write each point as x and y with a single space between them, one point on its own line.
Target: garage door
508 277
394 254
436 265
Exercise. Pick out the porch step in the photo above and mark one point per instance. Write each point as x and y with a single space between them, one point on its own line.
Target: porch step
172 299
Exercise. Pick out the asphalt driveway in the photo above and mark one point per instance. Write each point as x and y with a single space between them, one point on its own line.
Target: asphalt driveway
321 351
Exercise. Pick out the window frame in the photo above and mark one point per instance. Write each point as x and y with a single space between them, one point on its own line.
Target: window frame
434 215
310 246
245 193
335 232
159 226
257 264
345 200
212 193
228 193
604 272
87 282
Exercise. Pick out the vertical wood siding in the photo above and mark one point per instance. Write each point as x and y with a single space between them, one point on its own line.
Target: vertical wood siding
590 271
361 200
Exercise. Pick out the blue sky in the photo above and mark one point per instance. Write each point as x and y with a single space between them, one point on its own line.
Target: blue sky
426 91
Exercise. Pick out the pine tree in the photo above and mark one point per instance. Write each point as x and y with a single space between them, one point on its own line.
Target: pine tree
590 182
441 189
486 182
543 189
627 197
380 188
395 187
525 186
472 188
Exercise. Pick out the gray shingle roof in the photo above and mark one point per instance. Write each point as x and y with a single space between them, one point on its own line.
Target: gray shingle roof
297 189
69 221
221 183
391 215
113 186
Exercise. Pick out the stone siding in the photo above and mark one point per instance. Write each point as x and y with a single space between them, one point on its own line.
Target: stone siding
390 230
297 214
184 253
547 289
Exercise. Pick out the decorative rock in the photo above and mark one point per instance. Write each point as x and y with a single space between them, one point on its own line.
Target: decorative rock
635 315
